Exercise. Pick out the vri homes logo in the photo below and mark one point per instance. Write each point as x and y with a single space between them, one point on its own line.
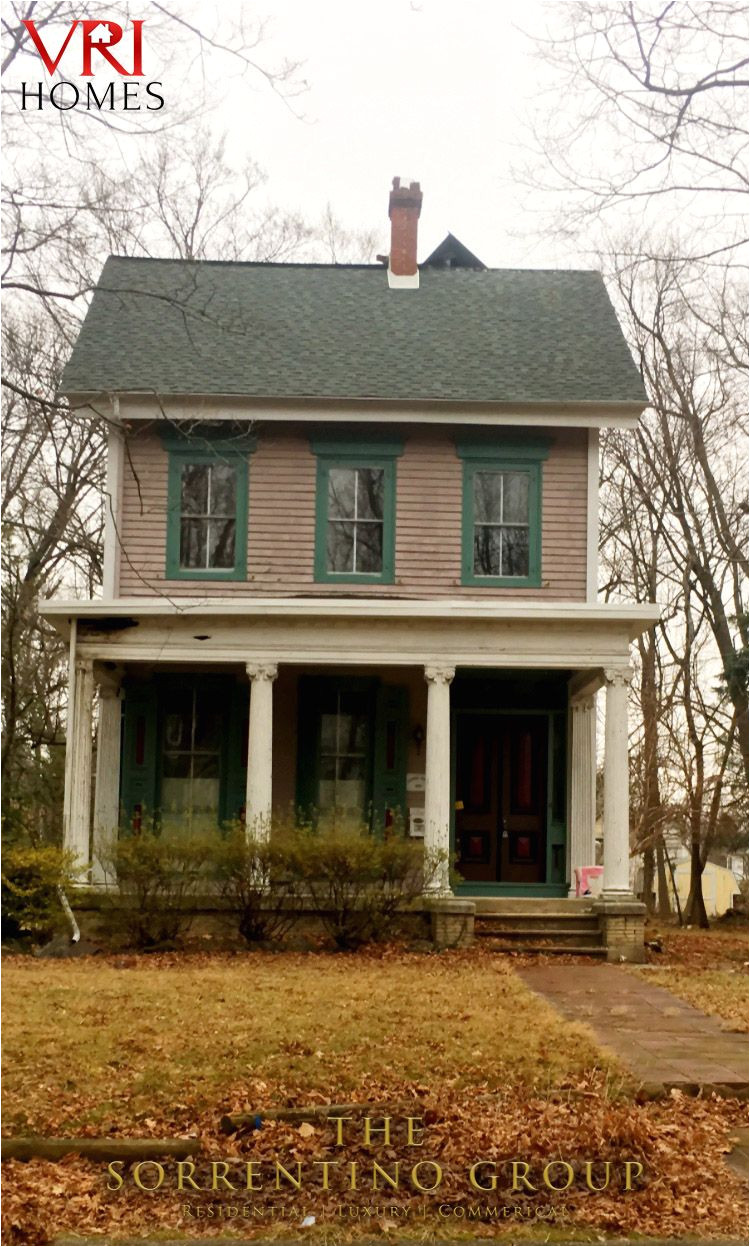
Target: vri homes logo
93 48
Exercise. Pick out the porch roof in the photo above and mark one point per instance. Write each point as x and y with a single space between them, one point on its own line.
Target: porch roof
123 614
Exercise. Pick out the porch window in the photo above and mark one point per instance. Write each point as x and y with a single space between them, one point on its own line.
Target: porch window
191 758
206 511
345 753
502 513
355 512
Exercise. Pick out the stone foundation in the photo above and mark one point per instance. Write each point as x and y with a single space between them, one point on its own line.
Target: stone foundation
452 922
622 926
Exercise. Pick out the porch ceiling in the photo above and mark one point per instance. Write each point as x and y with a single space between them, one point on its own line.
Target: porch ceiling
476 633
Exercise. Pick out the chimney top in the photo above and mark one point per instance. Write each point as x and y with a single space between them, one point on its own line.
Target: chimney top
404 207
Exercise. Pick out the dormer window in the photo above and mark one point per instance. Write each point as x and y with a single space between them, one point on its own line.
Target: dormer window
207 508
355 524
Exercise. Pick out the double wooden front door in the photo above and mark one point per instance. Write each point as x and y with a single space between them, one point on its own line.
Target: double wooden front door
501 798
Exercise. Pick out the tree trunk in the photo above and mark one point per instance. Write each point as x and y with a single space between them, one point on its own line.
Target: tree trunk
695 910
99 1149
665 908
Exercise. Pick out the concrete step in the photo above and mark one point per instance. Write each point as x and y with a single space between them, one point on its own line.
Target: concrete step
571 950
530 934
546 922
531 906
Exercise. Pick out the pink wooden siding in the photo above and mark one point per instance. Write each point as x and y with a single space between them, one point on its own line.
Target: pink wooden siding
282 519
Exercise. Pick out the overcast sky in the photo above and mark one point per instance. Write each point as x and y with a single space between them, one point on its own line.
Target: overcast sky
435 90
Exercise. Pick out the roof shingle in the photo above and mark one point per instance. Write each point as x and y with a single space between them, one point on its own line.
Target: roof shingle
332 331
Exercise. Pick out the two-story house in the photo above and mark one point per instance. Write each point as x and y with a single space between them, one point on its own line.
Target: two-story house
351 560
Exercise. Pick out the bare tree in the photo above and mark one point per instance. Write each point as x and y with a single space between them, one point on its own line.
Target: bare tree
655 119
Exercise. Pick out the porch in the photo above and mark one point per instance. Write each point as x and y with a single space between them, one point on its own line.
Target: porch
485 750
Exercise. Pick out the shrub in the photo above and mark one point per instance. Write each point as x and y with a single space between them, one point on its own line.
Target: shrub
253 876
159 876
359 884
32 876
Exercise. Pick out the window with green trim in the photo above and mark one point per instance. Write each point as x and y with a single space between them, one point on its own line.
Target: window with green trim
502 514
207 513
355 520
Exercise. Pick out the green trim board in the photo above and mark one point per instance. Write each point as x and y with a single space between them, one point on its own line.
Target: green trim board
524 456
380 455
181 452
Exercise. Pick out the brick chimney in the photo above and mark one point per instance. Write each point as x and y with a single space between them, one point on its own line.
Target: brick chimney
404 207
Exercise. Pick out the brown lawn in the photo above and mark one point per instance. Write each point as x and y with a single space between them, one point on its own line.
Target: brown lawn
708 969
162 1046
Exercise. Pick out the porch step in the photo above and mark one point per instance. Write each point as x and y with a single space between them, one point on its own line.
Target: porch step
573 930
555 935
552 950
541 923
532 907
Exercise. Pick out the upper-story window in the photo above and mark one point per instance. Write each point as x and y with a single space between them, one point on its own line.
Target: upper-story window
208 515
502 513
355 522
206 508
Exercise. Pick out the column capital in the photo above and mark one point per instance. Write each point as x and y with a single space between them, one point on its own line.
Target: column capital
108 681
585 703
618 676
262 670
439 673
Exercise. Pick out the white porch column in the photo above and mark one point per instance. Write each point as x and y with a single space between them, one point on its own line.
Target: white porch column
438 772
616 829
107 790
77 812
258 801
582 809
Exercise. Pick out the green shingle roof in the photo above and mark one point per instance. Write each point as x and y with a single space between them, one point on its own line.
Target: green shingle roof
330 331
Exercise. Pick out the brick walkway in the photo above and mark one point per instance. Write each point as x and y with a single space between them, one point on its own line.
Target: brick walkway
661 1040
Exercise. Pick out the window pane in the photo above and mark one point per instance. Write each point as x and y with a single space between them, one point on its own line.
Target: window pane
223 490
328 732
352 733
206 766
488 493
515 551
370 488
194 489
341 488
221 543
516 498
193 543
369 547
340 547
208 722
176 765
486 550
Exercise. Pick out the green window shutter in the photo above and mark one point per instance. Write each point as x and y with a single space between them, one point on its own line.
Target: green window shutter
139 756
389 776
235 786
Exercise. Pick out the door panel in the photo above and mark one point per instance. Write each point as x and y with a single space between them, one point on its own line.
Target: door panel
501 798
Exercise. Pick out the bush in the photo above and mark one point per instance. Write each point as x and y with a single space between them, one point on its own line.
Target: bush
253 876
31 878
159 876
359 884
